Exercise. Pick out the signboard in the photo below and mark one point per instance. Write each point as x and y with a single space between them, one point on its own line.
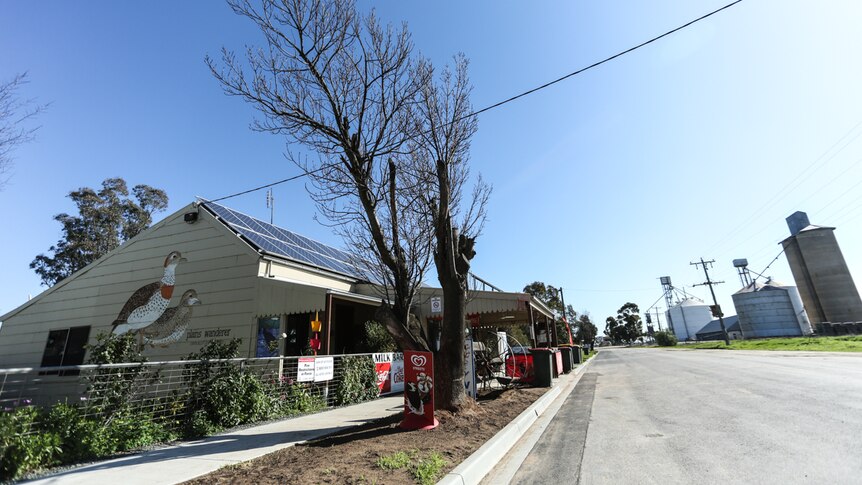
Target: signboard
324 369
469 368
418 391
436 304
383 368
396 373
305 369
389 367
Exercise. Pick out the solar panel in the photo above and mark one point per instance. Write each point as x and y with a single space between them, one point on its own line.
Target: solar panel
284 243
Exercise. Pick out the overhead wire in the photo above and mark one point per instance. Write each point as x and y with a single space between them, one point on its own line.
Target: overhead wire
530 91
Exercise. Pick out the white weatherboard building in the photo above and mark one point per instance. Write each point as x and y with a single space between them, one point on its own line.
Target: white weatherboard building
281 293
687 318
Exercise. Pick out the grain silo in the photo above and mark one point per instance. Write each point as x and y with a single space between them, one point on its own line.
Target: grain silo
820 272
770 309
688 317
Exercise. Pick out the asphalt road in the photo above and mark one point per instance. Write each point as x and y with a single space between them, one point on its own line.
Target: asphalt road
696 416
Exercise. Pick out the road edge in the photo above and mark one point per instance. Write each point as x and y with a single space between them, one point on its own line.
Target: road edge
473 469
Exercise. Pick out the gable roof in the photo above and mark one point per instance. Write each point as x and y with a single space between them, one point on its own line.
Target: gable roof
95 263
269 239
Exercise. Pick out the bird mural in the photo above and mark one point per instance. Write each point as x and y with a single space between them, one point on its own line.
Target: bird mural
172 325
147 304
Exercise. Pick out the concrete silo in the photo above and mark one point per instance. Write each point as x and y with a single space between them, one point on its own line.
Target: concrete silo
688 317
770 310
822 276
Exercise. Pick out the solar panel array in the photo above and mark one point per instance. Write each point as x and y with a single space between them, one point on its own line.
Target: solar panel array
281 242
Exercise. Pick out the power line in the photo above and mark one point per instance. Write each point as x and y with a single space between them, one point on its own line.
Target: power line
599 63
266 186
528 92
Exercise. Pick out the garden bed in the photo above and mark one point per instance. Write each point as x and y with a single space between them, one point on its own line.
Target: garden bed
381 452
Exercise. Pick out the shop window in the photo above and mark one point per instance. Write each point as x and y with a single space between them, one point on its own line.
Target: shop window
268 333
65 347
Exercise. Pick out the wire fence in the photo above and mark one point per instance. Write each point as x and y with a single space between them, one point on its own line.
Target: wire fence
169 392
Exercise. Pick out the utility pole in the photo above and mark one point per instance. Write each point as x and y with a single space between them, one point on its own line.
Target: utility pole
658 317
710 283
566 318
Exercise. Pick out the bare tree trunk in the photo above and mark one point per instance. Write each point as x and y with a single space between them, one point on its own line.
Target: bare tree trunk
449 360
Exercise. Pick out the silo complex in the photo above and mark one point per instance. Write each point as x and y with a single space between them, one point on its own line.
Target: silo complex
688 317
770 310
822 276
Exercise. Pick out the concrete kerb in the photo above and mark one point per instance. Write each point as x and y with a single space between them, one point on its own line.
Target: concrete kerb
482 461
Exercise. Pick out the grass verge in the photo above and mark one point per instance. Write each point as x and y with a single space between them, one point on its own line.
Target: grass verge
848 343
425 470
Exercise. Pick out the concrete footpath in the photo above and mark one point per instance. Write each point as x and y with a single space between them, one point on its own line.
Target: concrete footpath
187 460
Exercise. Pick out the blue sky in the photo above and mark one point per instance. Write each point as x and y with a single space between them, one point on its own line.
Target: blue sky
696 146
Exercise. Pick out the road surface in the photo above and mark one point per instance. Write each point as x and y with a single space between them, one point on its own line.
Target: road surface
697 416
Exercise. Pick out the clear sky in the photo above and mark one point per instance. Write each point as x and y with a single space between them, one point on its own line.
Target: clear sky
696 146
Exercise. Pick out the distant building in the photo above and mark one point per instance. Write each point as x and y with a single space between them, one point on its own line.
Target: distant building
712 330
821 274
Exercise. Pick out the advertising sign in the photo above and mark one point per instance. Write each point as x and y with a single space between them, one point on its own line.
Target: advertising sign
383 368
324 369
389 367
305 369
418 391
469 368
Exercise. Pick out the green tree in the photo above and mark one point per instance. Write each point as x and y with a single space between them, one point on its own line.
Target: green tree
105 220
626 326
587 330
550 295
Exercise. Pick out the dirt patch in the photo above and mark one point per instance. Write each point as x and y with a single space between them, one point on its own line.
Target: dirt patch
351 457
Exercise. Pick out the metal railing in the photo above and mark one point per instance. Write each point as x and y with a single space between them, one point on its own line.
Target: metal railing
167 391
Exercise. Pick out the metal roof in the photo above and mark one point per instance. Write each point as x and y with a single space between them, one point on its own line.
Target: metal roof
276 241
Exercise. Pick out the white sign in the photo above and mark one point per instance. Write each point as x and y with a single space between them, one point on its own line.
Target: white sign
436 304
469 368
396 374
305 369
324 369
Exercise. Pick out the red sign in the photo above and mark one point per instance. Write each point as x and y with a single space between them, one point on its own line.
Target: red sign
383 381
418 391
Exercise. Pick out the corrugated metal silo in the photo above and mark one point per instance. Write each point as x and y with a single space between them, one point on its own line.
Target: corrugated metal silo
688 317
770 310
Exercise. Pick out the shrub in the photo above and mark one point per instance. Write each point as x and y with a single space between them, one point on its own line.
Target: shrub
665 339
377 338
358 381
22 448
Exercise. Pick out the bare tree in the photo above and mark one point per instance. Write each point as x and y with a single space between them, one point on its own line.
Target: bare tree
344 86
14 113
440 154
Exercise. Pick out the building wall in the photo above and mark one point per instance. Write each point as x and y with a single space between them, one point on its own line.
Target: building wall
822 276
220 267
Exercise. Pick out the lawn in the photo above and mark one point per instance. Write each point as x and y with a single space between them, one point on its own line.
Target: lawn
848 343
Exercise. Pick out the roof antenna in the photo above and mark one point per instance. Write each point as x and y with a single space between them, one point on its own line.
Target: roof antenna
270 204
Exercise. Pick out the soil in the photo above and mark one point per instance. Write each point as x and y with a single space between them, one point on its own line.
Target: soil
350 457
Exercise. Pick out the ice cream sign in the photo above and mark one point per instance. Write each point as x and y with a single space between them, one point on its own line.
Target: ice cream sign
418 391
